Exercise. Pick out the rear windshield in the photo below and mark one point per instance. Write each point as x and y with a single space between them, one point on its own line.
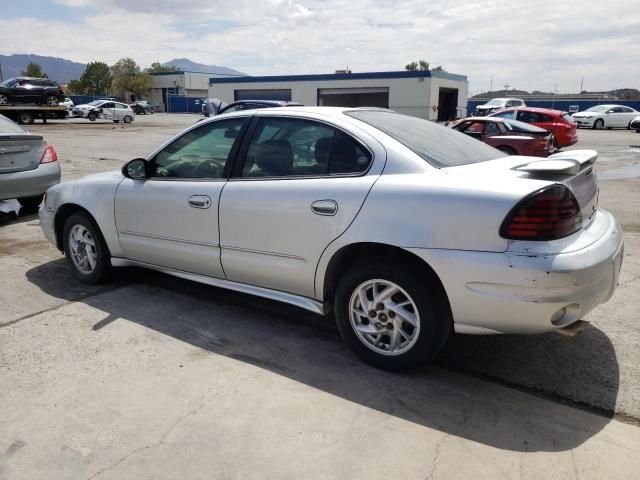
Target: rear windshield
7 126
568 118
517 126
438 145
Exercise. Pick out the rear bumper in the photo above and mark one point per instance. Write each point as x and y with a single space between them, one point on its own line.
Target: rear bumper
29 183
526 292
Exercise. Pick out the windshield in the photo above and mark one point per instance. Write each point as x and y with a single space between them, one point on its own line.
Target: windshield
8 82
496 102
598 108
438 145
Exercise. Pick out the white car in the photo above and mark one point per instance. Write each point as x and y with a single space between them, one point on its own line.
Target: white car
405 229
606 116
107 109
496 104
67 104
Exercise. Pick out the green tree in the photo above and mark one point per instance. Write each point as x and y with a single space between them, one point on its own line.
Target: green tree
421 65
128 77
74 87
96 79
34 70
157 67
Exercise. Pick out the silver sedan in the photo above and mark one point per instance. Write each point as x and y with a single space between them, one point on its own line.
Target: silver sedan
28 165
406 230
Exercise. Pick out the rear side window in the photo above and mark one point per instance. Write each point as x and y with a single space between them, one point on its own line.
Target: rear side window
534 117
438 145
516 126
293 147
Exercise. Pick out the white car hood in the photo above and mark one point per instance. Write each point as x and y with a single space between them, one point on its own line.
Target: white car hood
585 114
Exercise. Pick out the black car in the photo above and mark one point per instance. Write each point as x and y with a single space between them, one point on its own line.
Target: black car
30 90
142 107
214 106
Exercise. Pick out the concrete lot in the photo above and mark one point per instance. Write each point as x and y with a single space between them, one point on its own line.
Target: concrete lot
155 377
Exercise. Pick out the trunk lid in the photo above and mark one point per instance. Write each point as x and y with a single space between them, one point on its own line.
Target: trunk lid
573 168
20 152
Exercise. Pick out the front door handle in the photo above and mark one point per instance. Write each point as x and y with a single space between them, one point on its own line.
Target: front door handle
325 207
199 201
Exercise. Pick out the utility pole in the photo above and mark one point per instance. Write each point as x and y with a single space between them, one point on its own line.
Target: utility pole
491 84
1 78
581 81
506 87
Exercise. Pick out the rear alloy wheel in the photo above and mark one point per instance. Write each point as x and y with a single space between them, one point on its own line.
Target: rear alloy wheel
598 124
127 119
25 118
52 100
85 249
390 317
30 204
4 99
92 116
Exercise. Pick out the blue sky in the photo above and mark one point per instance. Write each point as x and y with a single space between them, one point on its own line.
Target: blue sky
529 44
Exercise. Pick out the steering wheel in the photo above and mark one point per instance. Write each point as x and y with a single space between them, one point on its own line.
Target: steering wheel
206 168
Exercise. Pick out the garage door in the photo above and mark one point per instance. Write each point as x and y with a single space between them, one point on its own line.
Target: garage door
354 97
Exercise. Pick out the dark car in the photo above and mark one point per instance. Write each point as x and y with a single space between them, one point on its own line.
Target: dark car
510 136
31 90
635 124
214 106
142 107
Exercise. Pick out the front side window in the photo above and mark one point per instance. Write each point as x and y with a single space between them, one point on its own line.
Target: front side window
290 147
200 153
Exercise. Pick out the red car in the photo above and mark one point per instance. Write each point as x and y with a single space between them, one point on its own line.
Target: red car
510 136
564 129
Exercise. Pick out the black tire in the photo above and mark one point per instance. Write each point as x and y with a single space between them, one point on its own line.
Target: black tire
25 118
30 204
507 150
637 131
127 119
102 270
4 99
433 309
598 124
52 100
92 116
116 121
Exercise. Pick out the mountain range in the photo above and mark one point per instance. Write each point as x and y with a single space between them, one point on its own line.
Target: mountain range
63 70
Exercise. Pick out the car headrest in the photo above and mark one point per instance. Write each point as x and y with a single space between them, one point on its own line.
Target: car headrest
344 156
274 157
322 150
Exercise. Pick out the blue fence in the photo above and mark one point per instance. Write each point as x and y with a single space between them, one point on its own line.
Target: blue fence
177 104
564 105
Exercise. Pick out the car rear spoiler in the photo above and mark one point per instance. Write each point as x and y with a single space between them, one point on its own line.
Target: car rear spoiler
563 163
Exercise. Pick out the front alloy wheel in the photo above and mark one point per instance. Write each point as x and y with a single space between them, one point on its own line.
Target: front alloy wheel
3 99
85 249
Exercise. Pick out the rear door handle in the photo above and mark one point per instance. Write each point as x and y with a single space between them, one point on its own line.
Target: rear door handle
199 201
325 207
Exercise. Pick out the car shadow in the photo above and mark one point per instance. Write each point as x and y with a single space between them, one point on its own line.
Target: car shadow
306 348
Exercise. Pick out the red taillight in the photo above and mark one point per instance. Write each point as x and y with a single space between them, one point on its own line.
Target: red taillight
49 155
548 214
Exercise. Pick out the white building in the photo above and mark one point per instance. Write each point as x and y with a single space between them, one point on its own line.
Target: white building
182 84
427 94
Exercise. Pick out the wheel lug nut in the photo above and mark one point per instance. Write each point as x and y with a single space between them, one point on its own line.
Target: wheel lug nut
373 314
390 326
379 325
380 306
391 314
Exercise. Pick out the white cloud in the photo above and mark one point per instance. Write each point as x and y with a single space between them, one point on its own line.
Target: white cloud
527 46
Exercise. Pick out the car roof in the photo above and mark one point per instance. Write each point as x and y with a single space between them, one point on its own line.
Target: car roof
531 109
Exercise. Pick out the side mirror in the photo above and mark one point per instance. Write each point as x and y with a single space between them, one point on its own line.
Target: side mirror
135 169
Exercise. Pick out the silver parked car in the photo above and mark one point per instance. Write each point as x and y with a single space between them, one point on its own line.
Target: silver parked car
496 104
107 109
28 165
605 116
407 230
